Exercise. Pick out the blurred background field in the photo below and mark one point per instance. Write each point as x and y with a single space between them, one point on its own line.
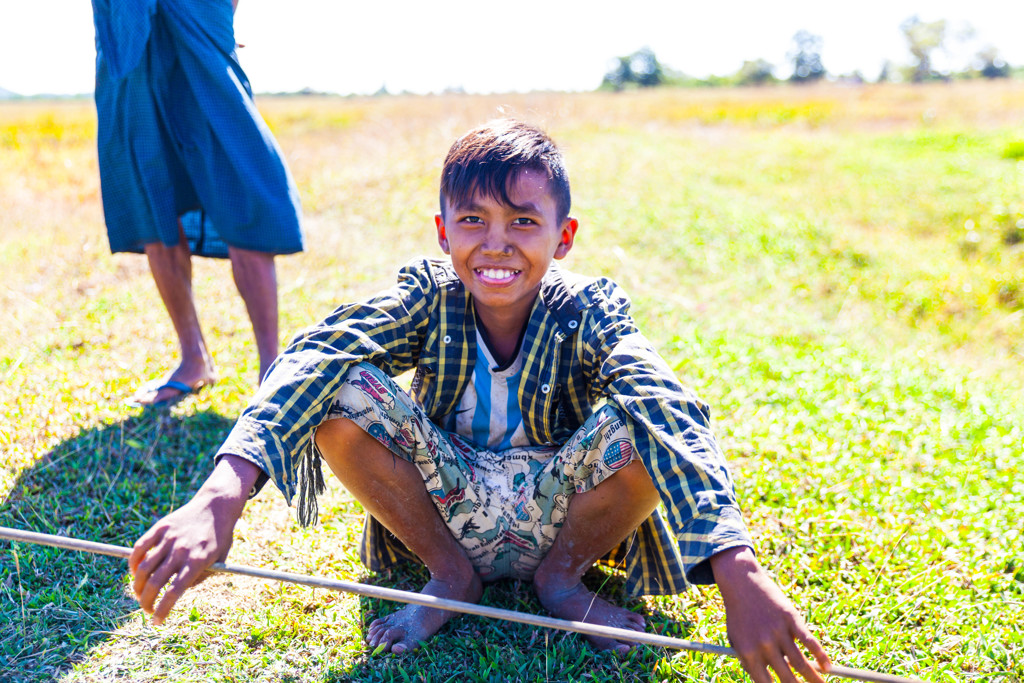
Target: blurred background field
836 269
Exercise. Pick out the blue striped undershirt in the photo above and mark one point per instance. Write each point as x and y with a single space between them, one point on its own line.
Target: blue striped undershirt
488 413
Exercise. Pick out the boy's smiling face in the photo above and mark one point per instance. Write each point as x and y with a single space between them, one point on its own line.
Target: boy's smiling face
501 252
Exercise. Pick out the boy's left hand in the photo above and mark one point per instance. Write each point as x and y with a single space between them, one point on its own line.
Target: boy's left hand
763 624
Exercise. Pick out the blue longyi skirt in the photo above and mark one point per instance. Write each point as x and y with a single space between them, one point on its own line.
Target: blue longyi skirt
179 132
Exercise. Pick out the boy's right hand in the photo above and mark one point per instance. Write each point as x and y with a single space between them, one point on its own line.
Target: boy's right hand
176 552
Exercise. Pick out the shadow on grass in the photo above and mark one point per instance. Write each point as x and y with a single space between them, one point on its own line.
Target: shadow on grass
108 484
471 648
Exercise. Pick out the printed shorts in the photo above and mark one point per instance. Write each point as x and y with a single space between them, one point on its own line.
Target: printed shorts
505 508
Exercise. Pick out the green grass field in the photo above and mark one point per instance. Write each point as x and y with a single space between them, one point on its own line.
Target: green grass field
838 271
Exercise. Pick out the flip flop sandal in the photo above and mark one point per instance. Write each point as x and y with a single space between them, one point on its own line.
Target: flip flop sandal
157 385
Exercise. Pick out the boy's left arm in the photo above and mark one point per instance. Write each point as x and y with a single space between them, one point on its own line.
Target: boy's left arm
763 625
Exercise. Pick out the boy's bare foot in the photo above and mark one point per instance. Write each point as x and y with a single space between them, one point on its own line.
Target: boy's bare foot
402 631
576 603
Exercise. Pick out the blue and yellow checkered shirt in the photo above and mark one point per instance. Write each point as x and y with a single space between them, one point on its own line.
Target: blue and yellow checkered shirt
581 349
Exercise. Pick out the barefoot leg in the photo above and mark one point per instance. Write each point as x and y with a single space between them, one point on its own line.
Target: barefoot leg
256 279
172 271
597 521
392 490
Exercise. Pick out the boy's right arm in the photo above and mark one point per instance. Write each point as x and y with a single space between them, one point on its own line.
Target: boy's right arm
177 550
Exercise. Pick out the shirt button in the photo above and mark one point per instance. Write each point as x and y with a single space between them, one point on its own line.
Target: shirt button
573 324
544 388
447 339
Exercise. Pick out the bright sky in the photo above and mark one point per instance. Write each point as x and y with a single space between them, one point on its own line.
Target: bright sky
47 46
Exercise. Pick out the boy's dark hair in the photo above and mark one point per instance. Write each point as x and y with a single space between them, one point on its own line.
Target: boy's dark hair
488 158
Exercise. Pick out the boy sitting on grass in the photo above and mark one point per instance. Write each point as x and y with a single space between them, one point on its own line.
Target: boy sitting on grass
539 435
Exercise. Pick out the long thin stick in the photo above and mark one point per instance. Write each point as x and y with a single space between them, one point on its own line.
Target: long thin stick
440 603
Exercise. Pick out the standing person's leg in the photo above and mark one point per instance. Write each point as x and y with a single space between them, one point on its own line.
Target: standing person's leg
256 278
392 491
172 271
596 522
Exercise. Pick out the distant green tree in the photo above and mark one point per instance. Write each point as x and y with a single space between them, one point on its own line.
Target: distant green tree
806 58
990 64
640 69
756 72
923 38
884 76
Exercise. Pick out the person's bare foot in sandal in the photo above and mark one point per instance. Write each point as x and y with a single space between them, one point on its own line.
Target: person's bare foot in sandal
165 392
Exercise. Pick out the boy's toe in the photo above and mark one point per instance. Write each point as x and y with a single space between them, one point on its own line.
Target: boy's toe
394 638
635 622
610 645
381 633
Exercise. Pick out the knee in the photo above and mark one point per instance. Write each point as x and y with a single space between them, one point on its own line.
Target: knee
335 438
247 258
638 485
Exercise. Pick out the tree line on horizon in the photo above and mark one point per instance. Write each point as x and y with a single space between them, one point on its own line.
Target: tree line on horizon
642 69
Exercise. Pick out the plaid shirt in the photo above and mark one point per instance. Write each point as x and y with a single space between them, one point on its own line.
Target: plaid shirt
581 349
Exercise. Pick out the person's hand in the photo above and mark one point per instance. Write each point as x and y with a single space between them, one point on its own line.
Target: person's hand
764 626
176 552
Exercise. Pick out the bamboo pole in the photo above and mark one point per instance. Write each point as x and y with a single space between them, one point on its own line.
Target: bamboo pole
440 603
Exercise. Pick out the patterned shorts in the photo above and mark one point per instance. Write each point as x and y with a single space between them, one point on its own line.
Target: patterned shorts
505 508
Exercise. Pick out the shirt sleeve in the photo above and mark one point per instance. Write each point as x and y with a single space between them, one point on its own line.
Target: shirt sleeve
294 398
671 430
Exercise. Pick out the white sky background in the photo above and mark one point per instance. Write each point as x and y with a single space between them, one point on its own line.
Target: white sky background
47 46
